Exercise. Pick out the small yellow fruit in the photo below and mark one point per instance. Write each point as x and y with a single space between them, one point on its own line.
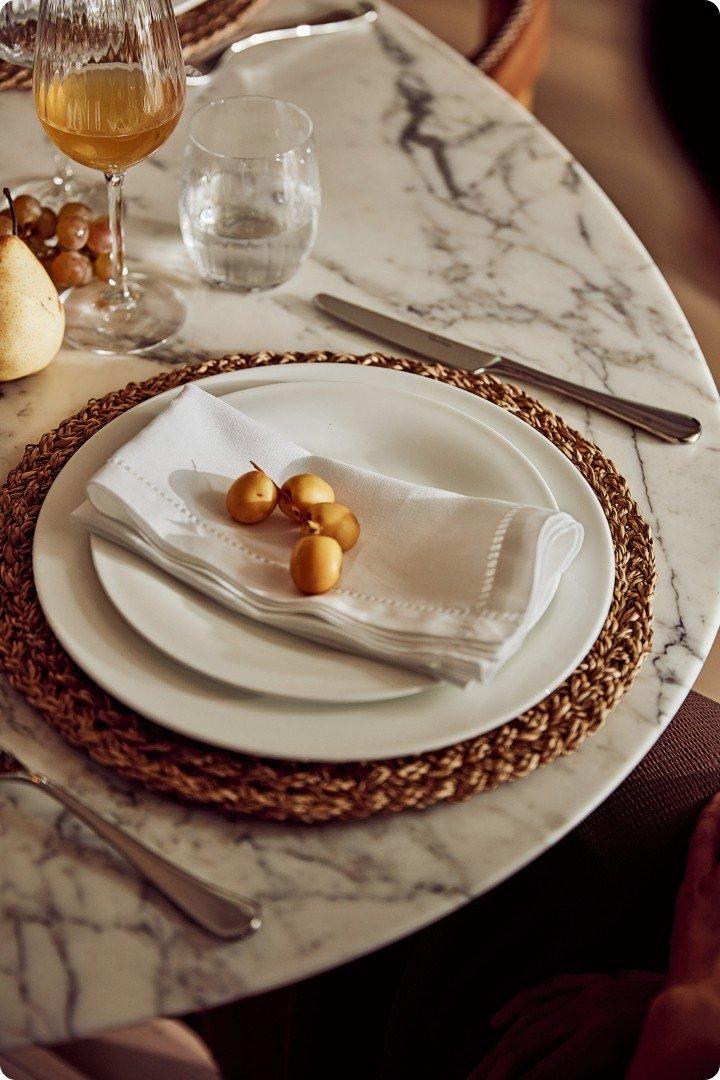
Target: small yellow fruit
333 519
303 491
316 564
251 498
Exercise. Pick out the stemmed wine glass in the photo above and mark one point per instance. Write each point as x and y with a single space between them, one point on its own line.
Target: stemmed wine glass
109 85
18 22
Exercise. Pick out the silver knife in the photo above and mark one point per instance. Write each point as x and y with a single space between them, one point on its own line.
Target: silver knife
666 424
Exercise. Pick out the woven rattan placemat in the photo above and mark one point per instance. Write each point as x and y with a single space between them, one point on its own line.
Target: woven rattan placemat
37 666
198 28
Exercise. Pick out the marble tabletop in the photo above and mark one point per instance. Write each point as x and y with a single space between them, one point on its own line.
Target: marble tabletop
445 200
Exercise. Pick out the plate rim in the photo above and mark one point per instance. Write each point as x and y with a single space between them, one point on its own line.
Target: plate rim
465 724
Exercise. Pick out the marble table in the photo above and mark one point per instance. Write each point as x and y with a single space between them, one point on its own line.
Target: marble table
443 199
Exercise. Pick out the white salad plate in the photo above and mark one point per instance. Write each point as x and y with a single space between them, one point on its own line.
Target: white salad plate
424 443
142 677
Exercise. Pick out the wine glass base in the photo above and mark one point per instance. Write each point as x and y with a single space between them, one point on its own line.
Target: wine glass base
155 313
50 193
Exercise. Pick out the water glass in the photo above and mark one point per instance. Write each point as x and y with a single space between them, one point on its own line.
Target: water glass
250 191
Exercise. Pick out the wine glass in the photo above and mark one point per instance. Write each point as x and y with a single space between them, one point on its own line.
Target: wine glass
109 85
18 22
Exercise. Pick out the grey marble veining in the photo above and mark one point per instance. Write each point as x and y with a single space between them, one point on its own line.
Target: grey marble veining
441 199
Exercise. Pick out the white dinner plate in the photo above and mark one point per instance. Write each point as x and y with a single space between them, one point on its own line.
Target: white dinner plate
425 443
120 660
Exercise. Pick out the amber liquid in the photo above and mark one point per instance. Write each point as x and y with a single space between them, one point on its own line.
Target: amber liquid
109 116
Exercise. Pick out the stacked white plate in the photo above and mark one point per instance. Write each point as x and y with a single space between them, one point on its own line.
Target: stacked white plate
185 662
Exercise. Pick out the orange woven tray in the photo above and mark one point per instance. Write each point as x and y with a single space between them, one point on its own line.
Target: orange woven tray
37 666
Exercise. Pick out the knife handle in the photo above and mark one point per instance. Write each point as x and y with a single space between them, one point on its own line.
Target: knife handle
666 424
223 913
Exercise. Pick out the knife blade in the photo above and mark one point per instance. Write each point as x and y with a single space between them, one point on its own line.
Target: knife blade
664 423
424 342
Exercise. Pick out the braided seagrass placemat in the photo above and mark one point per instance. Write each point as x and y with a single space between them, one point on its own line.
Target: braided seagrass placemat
38 667
198 28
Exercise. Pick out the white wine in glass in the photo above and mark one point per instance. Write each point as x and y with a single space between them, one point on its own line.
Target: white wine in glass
109 89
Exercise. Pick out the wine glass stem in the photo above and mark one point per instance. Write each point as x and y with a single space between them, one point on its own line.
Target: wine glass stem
117 290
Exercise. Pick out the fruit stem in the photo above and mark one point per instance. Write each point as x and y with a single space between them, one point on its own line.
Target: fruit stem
8 196
258 469
283 496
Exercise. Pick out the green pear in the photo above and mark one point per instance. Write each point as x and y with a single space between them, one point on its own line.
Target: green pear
32 319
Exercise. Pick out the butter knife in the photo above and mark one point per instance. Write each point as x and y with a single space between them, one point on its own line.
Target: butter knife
666 424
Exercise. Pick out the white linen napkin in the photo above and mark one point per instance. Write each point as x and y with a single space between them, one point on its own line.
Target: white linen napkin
438 582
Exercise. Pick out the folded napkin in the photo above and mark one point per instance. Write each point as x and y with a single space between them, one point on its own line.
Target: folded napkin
438 582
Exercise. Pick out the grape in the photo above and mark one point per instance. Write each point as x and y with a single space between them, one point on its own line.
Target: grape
76 209
37 246
72 232
100 239
45 225
103 267
27 209
69 268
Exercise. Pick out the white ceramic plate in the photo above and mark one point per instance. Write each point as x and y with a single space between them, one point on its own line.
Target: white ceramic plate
424 443
120 660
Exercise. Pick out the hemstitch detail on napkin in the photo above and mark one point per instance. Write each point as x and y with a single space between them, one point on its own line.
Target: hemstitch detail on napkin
475 609
494 556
